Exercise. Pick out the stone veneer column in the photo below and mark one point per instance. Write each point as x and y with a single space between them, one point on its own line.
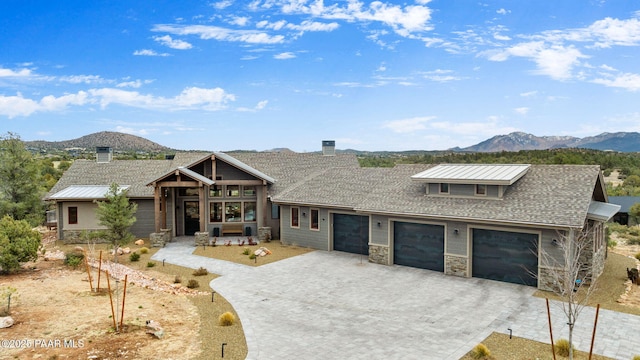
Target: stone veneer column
379 254
456 265
202 238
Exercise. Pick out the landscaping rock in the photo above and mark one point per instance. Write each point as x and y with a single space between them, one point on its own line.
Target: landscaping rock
139 242
154 328
5 322
54 255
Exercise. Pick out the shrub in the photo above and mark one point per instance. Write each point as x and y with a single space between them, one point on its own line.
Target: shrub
192 284
226 319
151 264
246 251
636 357
177 279
480 351
134 256
637 256
562 347
144 250
252 256
74 259
200 272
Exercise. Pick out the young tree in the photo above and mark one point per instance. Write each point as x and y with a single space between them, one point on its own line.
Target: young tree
118 215
18 243
20 185
634 211
571 273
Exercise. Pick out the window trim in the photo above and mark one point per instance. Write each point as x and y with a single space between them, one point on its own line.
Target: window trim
441 186
483 192
317 222
296 210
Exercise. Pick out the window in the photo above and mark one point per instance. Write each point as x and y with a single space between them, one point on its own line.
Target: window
275 211
314 225
232 212
481 189
233 190
73 214
249 191
188 192
215 212
444 188
249 211
215 191
295 217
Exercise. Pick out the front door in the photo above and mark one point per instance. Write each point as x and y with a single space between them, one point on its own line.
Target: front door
191 217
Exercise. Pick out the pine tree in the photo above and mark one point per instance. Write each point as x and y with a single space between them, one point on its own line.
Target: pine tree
20 183
117 214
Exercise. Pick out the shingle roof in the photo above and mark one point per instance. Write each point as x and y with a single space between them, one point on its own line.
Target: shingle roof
553 195
288 169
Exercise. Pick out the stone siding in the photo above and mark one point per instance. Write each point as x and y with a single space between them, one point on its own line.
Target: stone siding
379 254
456 266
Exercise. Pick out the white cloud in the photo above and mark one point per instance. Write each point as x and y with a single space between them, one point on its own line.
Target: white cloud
262 104
313 26
529 93
13 73
220 34
284 56
408 125
189 99
441 75
166 40
12 106
503 11
222 4
555 61
148 52
522 110
626 81
133 84
83 79
239 20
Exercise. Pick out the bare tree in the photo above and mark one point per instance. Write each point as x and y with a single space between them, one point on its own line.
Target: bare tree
569 272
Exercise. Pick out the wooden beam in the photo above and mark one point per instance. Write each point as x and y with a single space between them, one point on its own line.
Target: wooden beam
156 207
238 182
202 215
179 183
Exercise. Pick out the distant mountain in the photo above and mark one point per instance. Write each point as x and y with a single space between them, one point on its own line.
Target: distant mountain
117 141
516 141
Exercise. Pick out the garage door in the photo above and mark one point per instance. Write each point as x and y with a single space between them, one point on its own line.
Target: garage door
418 245
505 256
351 233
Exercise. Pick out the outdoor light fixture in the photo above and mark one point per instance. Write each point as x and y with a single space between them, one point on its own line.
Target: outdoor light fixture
455 231
379 224
554 242
304 214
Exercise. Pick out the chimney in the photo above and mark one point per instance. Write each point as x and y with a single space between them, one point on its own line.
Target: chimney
328 147
104 154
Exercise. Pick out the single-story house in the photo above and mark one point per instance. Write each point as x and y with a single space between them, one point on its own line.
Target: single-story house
470 220
626 202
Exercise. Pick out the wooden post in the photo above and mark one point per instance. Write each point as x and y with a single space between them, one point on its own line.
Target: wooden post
593 337
86 264
124 295
553 349
99 270
201 208
113 313
156 206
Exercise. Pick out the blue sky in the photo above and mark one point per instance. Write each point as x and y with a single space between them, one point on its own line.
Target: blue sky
263 74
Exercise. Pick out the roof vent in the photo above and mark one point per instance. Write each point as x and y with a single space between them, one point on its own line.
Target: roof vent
104 154
328 147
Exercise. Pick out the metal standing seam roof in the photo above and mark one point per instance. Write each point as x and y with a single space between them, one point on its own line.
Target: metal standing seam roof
490 174
84 192
602 211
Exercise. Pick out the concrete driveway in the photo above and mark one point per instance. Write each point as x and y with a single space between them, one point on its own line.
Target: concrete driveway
333 305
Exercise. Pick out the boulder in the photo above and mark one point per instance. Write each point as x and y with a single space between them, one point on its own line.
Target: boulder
126 250
54 255
139 242
6 322
154 328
